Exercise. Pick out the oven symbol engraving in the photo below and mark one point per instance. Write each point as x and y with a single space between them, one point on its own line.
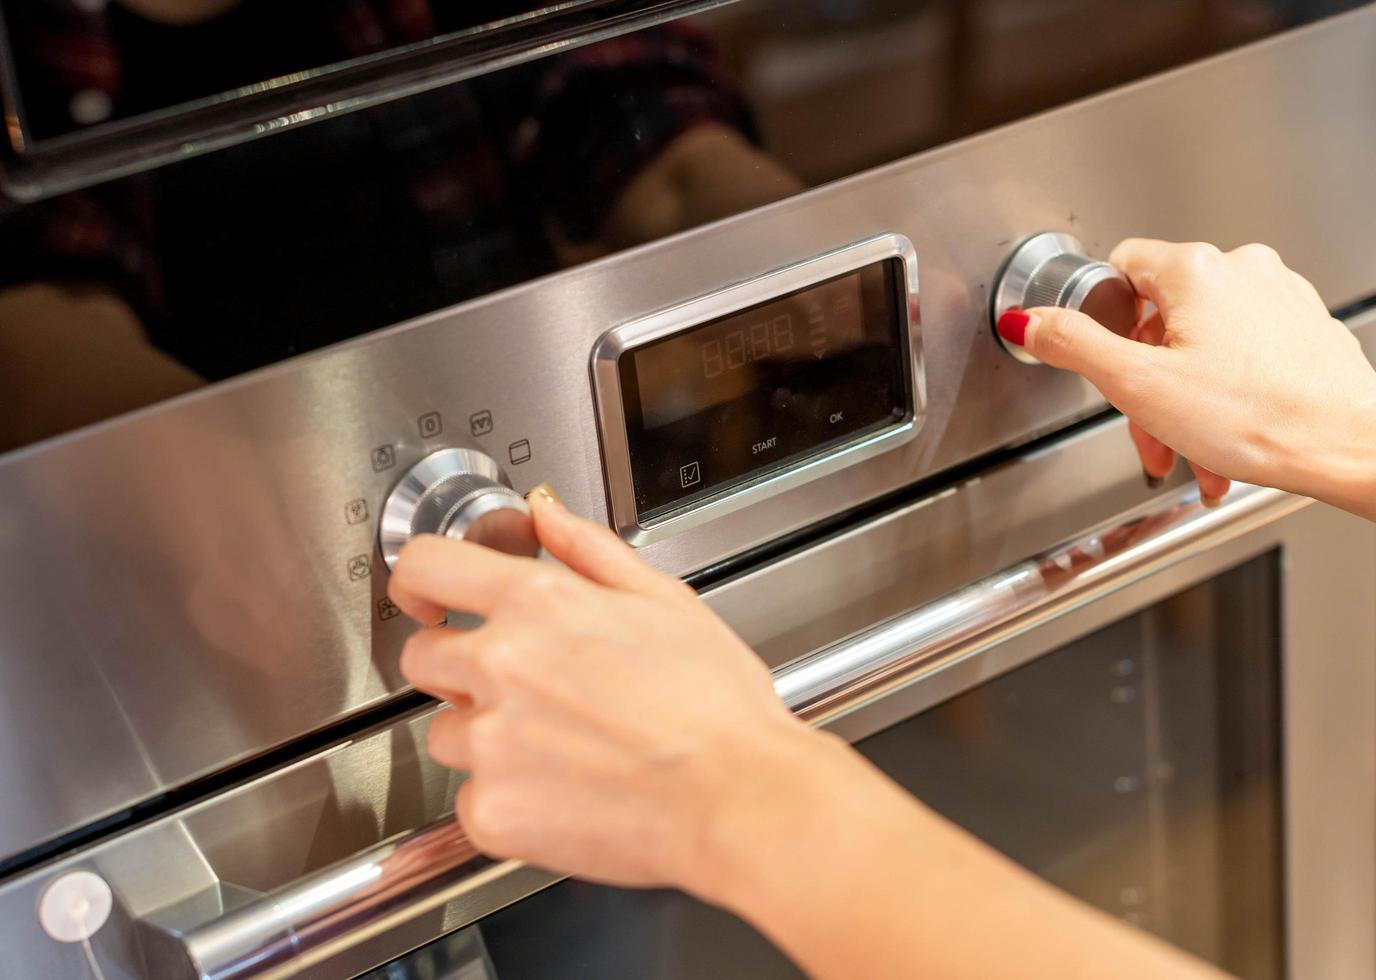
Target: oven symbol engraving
383 458
690 475
356 511
360 567
481 423
519 452
429 424
387 609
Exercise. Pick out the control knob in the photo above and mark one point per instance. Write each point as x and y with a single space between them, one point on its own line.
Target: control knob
459 493
1051 269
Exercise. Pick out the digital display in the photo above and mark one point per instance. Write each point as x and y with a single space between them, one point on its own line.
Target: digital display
734 398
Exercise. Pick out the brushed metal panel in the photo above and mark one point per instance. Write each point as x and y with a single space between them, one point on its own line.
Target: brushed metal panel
175 586
272 831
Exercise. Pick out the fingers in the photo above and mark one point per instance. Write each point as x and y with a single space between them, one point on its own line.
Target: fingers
595 552
1158 459
442 573
447 739
1141 260
440 663
1212 487
1068 339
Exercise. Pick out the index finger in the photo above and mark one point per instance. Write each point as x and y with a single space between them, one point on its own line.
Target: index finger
451 574
1144 261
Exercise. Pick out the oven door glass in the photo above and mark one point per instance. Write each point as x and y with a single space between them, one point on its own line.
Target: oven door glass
1138 768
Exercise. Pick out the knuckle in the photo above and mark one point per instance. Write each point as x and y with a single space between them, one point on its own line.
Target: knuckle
487 735
497 657
1197 258
1055 335
1257 252
444 743
481 813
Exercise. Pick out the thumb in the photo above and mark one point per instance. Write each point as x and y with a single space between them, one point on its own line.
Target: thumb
594 551
1071 340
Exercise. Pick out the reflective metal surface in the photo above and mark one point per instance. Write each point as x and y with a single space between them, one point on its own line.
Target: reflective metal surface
831 680
191 873
418 50
1051 269
187 576
333 911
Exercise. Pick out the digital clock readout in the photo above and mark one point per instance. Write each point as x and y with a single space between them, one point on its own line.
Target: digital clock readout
726 400
722 360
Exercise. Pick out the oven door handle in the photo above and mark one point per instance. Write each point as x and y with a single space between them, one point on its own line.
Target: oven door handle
868 665
346 904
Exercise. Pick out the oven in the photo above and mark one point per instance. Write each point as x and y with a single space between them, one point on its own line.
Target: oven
392 294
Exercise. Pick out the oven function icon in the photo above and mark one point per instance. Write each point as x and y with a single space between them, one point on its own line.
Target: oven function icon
481 423
429 425
387 609
690 474
360 567
519 452
384 458
356 511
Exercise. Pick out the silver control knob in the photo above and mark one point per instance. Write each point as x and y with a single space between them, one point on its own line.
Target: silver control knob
1051 269
458 493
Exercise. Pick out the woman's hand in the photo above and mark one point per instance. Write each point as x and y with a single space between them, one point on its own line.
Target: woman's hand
609 720
1242 370
615 729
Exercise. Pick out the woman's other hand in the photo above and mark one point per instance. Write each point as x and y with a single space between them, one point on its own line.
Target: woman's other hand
608 718
1241 370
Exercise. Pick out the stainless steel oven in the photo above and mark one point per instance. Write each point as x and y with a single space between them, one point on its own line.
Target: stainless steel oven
254 336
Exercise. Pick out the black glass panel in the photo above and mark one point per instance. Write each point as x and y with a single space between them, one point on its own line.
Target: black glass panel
79 64
125 293
726 401
1138 768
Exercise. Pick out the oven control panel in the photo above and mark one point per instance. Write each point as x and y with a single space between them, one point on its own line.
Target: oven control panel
720 402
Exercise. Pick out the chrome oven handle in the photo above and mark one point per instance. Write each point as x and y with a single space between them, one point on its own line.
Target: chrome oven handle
839 677
329 912
346 904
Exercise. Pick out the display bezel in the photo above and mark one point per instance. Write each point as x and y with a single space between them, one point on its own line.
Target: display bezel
616 343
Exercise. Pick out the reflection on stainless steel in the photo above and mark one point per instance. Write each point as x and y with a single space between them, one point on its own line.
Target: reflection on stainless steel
819 685
1052 269
217 120
332 911
458 493
195 867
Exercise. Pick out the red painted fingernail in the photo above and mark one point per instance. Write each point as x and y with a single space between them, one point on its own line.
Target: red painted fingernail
1013 326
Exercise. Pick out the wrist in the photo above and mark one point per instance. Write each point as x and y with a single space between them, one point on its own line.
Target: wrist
1344 474
756 792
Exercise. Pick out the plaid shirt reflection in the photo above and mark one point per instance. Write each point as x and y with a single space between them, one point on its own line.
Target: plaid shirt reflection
590 120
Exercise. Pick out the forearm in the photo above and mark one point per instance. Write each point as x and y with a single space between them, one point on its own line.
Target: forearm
852 877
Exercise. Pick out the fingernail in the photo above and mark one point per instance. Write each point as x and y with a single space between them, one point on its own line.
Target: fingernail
1153 482
1210 502
546 493
1013 326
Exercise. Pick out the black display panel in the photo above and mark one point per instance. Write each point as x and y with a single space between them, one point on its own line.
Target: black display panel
734 399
